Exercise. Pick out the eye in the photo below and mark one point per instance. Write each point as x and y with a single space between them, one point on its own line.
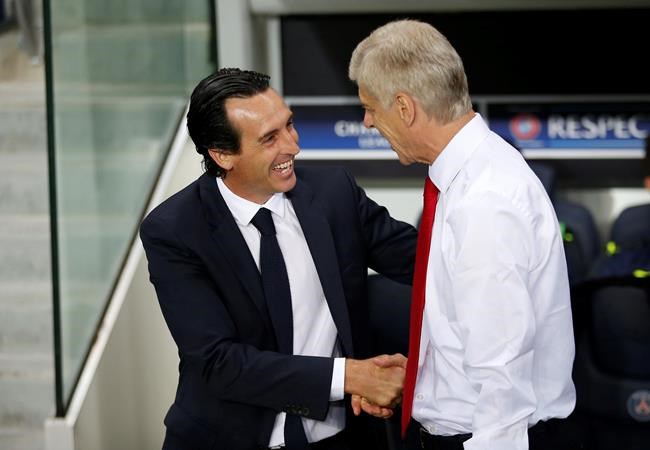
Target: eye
269 139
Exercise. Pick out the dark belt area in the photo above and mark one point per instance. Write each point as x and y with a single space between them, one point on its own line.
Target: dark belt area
455 442
434 441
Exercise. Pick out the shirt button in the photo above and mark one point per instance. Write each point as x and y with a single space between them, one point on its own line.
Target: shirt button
420 397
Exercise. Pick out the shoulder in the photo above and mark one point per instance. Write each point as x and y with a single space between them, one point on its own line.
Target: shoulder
327 181
323 175
174 210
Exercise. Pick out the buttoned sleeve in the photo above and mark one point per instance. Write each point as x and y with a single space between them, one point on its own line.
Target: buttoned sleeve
493 251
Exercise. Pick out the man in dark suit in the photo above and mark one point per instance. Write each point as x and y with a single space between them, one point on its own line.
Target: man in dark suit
240 386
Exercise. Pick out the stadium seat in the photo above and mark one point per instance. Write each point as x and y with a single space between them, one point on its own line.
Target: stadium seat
612 366
631 229
583 245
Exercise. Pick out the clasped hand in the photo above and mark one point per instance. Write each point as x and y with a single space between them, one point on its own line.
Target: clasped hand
376 384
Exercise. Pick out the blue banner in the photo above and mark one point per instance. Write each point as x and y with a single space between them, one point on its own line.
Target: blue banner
610 129
587 126
335 128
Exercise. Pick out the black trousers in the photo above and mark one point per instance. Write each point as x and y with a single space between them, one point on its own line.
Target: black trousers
549 435
337 442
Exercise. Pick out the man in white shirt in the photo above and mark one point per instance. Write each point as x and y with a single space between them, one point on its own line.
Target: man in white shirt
260 271
492 362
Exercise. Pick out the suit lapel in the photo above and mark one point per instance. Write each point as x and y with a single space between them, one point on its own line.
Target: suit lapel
230 241
321 245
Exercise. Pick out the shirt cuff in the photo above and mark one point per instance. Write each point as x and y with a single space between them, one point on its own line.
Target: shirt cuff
338 380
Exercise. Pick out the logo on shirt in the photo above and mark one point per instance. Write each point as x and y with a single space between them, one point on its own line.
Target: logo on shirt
638 406
525 127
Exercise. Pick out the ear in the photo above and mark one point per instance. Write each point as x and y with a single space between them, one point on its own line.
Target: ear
405 108
646 182
223 159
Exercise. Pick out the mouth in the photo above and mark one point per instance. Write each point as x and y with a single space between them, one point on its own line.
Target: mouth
284 168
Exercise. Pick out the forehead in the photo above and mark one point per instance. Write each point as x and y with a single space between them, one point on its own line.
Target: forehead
365 97
265 110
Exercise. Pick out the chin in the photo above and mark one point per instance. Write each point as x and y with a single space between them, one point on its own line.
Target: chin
288 185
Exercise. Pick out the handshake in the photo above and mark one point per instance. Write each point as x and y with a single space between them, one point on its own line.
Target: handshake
376 384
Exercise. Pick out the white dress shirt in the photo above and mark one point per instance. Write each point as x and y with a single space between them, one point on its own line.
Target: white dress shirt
314 332
497 343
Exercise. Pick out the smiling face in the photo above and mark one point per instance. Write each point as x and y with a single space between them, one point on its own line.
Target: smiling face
268 146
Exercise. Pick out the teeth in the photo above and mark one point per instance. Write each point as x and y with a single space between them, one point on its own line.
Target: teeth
283 166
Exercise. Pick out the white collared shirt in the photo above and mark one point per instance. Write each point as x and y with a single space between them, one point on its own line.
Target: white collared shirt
314 332
497 345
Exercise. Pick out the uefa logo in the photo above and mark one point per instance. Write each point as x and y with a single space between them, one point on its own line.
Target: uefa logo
638 406
525 127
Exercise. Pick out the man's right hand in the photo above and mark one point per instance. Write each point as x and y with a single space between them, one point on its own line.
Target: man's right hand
375 383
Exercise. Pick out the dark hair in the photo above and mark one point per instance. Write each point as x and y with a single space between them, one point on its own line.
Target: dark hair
207 119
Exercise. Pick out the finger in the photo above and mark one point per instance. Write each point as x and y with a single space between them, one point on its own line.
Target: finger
375 410
382 361
399 360
382 413
356 404
390 360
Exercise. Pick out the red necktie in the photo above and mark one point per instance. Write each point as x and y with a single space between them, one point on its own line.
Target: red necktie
417 298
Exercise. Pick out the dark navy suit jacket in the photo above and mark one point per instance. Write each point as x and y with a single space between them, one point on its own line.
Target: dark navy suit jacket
232 380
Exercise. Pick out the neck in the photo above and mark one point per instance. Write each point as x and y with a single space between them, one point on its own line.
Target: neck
436 136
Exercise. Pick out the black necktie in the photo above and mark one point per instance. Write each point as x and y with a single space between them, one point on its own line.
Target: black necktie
278 299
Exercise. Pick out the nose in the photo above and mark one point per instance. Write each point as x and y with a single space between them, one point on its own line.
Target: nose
367 120
291 137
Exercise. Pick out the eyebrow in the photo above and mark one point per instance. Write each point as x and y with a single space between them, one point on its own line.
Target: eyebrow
273 131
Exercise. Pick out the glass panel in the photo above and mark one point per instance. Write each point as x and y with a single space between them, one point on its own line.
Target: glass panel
121 72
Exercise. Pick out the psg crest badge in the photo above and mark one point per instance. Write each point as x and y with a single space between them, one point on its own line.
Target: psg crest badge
638 406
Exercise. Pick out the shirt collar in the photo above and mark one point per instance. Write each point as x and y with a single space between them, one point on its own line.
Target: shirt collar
244 210
452 158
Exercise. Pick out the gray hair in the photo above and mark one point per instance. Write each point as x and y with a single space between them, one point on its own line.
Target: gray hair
412 57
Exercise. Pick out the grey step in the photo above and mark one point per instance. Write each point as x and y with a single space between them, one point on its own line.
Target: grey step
36 367
146 11
72 12
24 248
26 389
23 182
25 403
112 122
23 94
22 128
155 55
25 328
32 293
23 438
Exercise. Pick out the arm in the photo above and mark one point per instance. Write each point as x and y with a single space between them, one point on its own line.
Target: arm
209 340
390 243
493 245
